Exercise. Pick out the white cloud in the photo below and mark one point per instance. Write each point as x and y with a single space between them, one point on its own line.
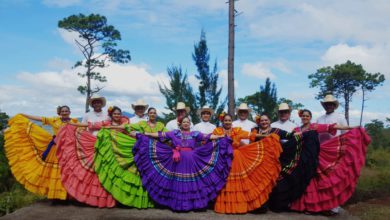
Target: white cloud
70 36
305 20
39 93
61 3
258 70
373 59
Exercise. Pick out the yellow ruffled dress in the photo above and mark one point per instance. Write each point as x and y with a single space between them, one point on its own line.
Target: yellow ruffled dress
25 142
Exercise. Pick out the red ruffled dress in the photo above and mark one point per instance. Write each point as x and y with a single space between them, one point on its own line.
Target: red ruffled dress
340 161
76 158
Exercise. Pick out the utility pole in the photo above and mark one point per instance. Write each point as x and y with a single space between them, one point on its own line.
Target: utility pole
231 101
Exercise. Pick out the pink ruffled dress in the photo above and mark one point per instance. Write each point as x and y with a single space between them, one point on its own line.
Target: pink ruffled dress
340 161
76 155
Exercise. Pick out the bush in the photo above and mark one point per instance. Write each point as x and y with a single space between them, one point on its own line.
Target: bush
16 198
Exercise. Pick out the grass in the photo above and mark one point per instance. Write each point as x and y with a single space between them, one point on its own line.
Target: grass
17 198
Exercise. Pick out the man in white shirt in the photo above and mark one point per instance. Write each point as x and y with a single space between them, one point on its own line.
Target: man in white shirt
284 123
181 111
205 126
330 104
243 112
139 108
97 115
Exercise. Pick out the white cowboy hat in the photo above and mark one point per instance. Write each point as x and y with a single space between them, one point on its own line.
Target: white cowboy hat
330 98
181 106
244 107
284 106
205 108
97 97
139 102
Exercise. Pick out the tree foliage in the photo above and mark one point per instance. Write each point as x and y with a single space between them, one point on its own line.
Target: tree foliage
343 80
368 84
179 90
98 44
380 136
209 93
263 101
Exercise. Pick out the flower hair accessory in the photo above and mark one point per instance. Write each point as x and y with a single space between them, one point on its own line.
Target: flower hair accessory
109 110
300 113
220 116
257 119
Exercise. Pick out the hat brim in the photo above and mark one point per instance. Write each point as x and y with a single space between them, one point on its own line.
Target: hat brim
186 108
288 109
100 98
205 110
335 102
133 106
238 109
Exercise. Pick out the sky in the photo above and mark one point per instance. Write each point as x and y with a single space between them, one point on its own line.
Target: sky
283 40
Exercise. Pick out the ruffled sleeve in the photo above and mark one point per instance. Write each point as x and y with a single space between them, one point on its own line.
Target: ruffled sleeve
48 121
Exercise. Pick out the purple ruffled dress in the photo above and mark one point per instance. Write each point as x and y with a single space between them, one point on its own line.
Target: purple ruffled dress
191 181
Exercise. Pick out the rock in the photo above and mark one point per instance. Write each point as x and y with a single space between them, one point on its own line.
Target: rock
50 210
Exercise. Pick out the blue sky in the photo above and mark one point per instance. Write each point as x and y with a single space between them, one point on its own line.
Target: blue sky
283 40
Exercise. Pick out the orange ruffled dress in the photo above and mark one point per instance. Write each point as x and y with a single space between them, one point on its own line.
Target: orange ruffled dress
32 163
255 169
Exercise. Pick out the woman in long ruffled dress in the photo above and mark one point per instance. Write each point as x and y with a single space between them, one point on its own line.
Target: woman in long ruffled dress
31 152
299 161
255 169
340 161
76 153
114 161
187 174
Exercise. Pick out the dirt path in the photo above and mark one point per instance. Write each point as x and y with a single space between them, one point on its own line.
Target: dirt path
45 210
377 209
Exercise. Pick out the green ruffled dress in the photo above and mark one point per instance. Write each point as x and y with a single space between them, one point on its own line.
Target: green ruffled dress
115 167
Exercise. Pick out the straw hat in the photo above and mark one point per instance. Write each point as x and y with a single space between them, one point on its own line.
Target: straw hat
181 106
244 107
205 108
330 98
284 106
139 102
97 97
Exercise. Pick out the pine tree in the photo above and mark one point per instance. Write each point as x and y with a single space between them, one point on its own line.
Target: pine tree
209 92
179 90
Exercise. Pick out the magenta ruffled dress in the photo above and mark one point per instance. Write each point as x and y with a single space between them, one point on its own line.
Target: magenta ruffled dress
340 161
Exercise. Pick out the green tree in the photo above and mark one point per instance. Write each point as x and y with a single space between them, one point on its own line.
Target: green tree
368 84
179 90
293 105
263 101
342 80
98 42
6 178
380 136
209 92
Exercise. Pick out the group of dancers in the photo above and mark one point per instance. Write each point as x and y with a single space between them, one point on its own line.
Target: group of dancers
239 167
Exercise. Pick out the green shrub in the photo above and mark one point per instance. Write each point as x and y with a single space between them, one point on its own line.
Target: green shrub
16 198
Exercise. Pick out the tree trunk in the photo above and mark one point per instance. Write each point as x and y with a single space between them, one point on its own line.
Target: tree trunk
88 90
346 106
361 112
231 102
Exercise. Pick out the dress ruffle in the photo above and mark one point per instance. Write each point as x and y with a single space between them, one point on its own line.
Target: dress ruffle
75 154
25 143
255 169
115 167
340 161
188 184
299 163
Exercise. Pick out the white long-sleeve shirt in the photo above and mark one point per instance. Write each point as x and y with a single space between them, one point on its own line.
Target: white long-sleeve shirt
204 127
93 116
331 119
286 125
245 125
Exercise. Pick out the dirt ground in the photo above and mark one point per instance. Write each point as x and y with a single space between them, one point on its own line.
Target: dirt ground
378 209
46 210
